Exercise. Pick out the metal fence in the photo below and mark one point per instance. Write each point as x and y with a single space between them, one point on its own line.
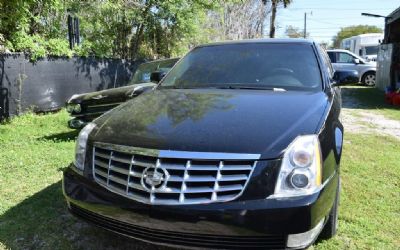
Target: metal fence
46 84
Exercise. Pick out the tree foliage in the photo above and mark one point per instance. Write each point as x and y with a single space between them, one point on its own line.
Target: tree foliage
350 31
112 28
128 28
237 20
295 32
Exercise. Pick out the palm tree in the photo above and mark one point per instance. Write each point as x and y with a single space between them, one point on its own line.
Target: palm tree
274 6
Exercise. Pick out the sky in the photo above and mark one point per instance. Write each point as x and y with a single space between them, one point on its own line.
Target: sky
326 17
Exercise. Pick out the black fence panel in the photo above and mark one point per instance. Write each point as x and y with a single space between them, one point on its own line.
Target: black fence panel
46 84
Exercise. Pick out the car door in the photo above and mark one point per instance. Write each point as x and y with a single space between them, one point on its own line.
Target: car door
345 61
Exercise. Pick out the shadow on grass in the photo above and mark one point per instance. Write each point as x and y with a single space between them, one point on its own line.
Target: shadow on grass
360 97
62 137
43 222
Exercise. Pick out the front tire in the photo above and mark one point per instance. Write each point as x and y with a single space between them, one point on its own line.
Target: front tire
331 226
369 79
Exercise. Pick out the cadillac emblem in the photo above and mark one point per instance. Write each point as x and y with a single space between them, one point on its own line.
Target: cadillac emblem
154 178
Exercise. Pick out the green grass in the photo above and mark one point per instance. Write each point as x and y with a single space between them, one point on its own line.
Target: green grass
33 215
372 99
35 149
369 216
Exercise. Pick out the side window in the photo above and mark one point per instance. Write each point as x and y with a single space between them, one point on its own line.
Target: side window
332 57
344 58
327 62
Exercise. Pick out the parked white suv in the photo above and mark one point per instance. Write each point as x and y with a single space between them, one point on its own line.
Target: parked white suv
345 60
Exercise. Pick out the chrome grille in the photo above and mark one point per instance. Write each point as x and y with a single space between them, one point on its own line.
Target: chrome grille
96 109
124 170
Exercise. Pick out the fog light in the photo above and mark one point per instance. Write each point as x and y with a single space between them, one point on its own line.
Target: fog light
304 239
70 108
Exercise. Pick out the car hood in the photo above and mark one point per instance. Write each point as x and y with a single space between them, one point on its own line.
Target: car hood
107 93
229 121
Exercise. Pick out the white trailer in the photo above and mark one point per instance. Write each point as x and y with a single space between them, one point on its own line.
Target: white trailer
365 45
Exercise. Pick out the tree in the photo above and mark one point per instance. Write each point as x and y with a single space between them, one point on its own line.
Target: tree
128 29
109 28
295 32
237 20
274 6
350 31
325 44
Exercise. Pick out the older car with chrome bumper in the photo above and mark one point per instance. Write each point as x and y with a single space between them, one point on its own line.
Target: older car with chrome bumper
86 107
205 162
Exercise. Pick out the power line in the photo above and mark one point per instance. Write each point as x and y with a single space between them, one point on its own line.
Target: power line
343 9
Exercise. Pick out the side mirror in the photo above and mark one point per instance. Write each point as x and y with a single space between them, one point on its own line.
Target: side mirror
356 61
156 76
342 77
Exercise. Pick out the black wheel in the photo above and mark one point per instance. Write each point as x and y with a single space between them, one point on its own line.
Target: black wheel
331 225
369 79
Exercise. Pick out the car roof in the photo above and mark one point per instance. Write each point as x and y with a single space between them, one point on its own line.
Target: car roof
162 60
264 40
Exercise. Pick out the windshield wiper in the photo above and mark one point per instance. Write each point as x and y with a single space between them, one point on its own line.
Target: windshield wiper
223 87
181 87
249 87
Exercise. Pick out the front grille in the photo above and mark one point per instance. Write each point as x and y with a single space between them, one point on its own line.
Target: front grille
170 181
208 241
96 110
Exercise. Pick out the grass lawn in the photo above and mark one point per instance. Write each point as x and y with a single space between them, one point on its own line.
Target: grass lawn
35 149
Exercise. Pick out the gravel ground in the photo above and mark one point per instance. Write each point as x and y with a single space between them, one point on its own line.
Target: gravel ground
358 119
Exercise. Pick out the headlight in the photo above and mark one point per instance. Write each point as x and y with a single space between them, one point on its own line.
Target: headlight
74 108
300 173
70 107
81 144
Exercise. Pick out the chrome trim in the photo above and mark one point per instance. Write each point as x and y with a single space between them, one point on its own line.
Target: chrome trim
302 240
86 114
127 149
105 105
192 184
316 190
178 154
76 170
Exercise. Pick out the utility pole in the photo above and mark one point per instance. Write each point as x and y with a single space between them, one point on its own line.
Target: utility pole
305 24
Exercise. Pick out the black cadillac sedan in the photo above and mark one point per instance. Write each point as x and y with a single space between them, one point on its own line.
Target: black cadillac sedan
238 147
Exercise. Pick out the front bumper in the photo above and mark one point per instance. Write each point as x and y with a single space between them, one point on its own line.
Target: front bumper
250 224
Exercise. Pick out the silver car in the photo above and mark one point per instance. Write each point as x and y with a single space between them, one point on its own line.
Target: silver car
345 60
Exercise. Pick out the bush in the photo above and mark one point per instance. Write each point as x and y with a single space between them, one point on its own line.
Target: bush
58 47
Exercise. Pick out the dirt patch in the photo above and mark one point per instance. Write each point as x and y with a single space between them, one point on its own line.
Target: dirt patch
359 119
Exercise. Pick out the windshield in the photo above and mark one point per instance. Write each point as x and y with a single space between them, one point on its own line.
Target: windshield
371 50
247 65
143 72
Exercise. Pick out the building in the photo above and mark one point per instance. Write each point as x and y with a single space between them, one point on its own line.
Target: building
388 61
